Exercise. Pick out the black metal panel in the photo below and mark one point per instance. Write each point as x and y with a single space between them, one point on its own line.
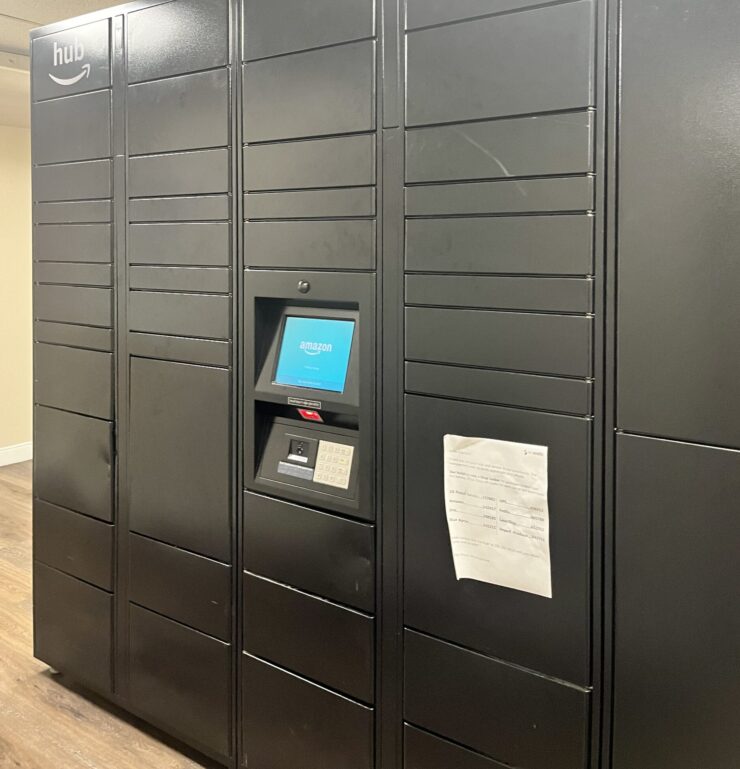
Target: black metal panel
205 279
73 543
677 618
185 243
342 245
206 351
72 128
73 243
188 173
85 212
541 294
173 38
179 113
308 204
288 722
554 245
75 274
314 551
573 396
74 336
72 181
310 636
347 161
198 315
179 455
531 146
546 344
73 304
550 635
423 13
504 65
520 718
313 108
183 586
72 627
71 61
195 208
678 311
181 679
73 461
283 26
74 380
425 751
503 196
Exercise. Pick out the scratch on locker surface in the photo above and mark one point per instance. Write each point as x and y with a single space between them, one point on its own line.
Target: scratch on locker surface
490 155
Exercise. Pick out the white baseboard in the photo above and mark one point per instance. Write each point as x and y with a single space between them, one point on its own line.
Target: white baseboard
10 455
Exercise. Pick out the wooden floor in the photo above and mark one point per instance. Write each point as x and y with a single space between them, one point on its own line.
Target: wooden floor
46 722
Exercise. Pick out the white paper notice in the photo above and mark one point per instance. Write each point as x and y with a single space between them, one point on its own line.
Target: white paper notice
496 501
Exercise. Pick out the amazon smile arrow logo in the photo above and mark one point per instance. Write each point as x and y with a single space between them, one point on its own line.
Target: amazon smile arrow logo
72 80
69 53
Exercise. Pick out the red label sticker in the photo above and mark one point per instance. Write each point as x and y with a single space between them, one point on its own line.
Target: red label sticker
310 415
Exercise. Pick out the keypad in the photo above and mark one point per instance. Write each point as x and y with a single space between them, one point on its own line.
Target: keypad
333 464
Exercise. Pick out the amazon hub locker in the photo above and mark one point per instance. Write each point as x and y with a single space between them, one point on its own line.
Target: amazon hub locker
385 385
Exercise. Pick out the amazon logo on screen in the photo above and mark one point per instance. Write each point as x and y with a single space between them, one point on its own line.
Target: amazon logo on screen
70 53
315 348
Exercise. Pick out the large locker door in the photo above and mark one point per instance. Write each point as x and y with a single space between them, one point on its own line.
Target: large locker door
500 317
178 300
74 512
677 623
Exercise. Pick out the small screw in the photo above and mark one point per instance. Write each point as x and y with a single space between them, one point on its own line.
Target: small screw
304 286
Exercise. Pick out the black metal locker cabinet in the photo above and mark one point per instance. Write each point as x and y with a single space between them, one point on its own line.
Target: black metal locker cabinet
502 141
177 493
505 219
308 600
133 206
74 412
677 623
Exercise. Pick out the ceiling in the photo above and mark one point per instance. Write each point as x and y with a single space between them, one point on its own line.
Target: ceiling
17 18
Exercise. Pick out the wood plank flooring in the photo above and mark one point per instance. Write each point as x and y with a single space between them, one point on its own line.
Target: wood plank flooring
45 721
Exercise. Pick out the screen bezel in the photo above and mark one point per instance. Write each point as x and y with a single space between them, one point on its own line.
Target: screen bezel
284 322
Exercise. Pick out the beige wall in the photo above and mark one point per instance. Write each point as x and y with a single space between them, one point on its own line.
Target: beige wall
15 286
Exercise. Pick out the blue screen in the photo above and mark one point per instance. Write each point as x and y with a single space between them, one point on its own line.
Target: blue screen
315 353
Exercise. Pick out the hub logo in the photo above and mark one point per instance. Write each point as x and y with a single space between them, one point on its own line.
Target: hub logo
69 54
315 348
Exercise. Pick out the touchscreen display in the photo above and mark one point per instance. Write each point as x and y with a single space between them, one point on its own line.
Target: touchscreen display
314 352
